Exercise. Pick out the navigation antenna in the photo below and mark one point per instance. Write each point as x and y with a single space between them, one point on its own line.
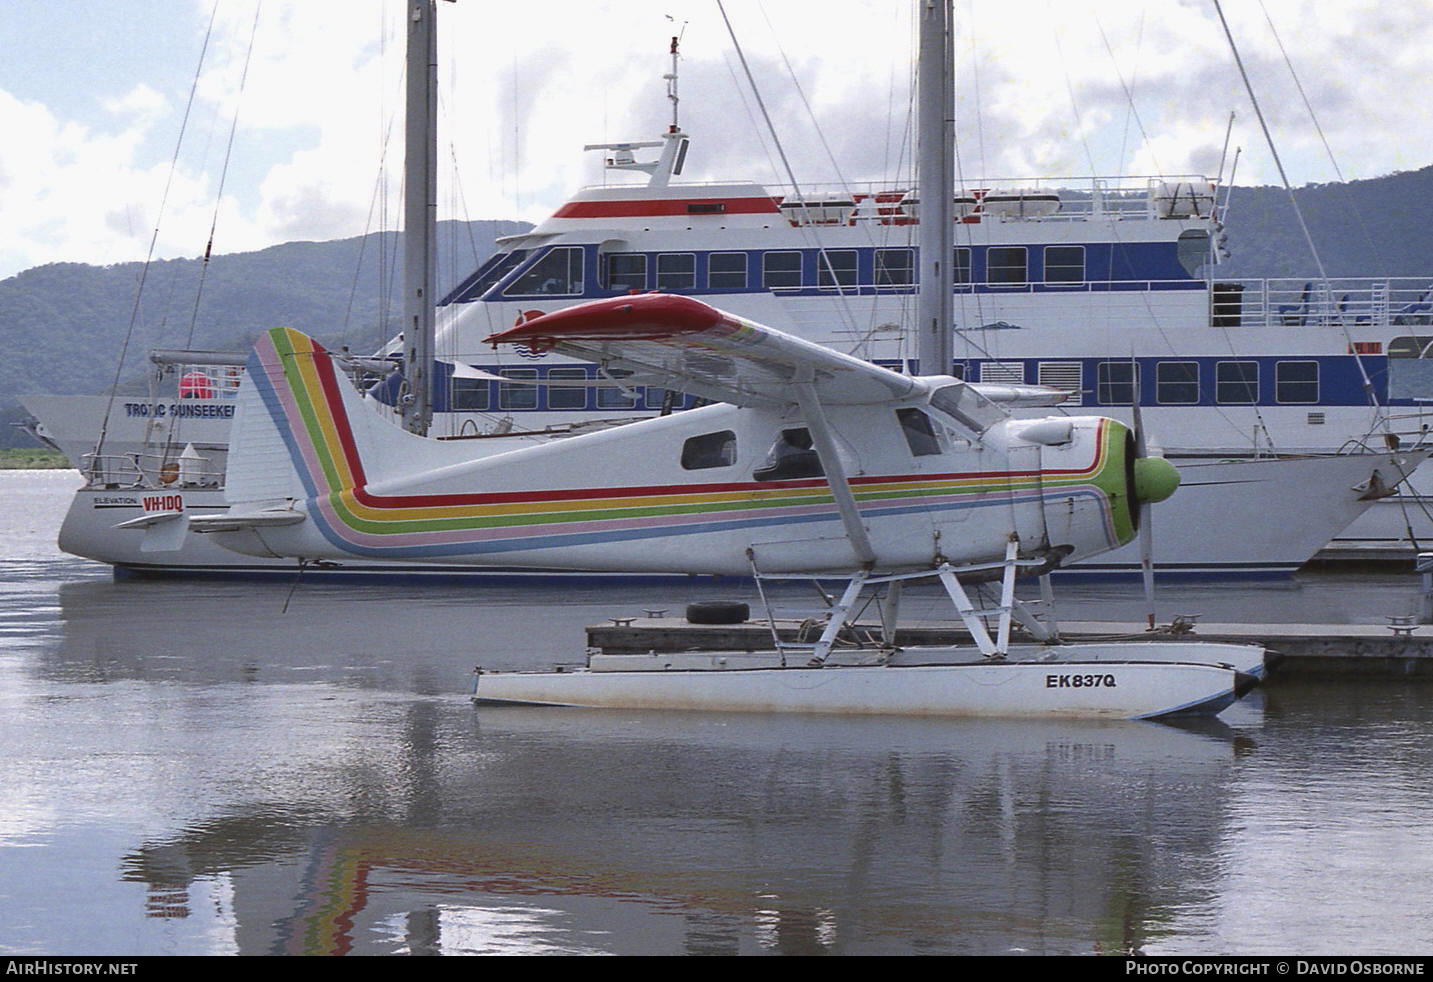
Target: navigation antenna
673 143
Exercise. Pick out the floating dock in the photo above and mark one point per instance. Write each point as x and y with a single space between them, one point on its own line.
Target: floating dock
1399 648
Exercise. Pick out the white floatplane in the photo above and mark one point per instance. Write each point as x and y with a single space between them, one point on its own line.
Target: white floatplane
810 463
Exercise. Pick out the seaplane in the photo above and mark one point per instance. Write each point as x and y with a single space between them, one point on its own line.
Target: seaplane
805 462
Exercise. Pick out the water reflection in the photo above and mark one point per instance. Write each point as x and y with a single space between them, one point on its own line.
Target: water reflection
547 830
209 767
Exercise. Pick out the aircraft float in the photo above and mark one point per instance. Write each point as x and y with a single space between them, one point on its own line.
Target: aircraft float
807 462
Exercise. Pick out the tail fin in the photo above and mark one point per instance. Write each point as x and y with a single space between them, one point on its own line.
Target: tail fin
302 431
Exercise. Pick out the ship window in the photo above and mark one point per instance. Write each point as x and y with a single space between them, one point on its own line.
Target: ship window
1296 382
895 267
626 271
726 271
613 397
1192 250
557 274
791 456
960 272
566 388
1115 383
1236 383
665 400
676 271
520 393
1005 265
836 268
709 450
500 265
1064 264
469 394
780 270
919 433
1176 383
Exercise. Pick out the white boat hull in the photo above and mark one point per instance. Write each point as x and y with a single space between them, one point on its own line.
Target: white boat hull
1091 681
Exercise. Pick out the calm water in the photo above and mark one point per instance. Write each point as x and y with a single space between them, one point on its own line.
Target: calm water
191 768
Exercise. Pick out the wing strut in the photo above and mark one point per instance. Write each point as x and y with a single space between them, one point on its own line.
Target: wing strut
835 474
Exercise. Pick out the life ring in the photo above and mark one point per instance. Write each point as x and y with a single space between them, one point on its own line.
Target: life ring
196 385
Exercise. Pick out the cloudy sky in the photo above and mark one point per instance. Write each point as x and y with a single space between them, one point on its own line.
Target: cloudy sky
93 97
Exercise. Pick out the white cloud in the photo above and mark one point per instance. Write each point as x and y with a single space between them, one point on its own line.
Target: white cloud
1042 88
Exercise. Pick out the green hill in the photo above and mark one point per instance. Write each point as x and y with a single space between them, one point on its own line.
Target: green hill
70 320
1377 227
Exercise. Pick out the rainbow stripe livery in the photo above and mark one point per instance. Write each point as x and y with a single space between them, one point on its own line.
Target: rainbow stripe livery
397 496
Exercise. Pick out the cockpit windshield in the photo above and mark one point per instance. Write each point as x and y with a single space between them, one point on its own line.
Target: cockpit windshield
967 407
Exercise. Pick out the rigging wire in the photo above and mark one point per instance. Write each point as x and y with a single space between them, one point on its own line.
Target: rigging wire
1298 212
1318 128
807 230
223 175
153 241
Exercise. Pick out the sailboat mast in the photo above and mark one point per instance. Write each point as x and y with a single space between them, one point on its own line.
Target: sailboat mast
935 125
420 211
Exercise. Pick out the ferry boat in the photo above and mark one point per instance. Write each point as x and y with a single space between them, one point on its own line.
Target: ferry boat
1262 392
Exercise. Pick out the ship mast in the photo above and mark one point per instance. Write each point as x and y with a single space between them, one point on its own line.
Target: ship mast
420 212
935 127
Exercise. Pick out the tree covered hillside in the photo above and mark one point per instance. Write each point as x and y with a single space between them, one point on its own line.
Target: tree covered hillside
1363 228
65 324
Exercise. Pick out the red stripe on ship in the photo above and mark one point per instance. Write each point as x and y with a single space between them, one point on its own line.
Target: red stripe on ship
667 207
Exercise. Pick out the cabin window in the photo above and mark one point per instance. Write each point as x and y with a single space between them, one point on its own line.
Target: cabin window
676 271
1236 383
521 393
626 271
791 456
469 394
709 450
557 274
960 271
1064 264
1176 383
895 267
1006 265
919 432
836 268
1115 383
726 271
1296 382
566 388
781 270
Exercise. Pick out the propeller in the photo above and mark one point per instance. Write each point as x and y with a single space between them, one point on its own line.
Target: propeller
1154 480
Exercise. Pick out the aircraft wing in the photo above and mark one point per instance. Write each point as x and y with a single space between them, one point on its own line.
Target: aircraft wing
683 344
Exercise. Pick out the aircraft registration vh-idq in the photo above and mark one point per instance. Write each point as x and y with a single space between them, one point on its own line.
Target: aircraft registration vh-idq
807 463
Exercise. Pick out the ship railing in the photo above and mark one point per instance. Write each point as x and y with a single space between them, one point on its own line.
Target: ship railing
1053 198
1341 301
152 471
